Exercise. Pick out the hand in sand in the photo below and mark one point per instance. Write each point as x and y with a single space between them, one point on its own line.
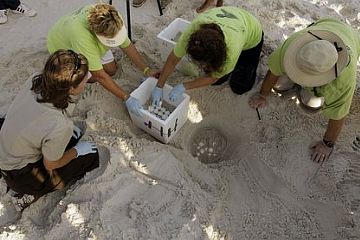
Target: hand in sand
257 101
320 152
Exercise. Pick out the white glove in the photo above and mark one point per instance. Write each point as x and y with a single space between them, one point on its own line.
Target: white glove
76 132
83 148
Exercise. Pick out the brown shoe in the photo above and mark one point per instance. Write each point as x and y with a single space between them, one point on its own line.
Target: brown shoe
138 3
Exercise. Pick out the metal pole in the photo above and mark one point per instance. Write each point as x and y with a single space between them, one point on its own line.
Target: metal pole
128 14
160 8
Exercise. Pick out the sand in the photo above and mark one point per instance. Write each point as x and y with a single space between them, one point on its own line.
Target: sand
264 186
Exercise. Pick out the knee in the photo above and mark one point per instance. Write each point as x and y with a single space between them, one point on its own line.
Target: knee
111 70
239 88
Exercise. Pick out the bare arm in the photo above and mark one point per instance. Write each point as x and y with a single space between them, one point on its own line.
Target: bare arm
200 82
108 83
67 157
333 129
134 56
269 82
168 68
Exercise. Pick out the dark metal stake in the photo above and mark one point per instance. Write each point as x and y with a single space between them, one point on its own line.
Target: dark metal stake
160 8
257 111
128 18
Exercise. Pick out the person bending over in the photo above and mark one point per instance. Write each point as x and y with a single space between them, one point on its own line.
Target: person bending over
322 59
225 43
92 31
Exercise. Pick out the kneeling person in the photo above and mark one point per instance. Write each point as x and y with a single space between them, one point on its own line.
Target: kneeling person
39 148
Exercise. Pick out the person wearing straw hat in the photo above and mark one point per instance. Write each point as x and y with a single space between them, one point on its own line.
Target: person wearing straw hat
40 147
322 59
92 31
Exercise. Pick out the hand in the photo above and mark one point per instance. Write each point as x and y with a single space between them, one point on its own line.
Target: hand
176 92
134 106
77 132
320 152
83 148
157 96
153 73
257 100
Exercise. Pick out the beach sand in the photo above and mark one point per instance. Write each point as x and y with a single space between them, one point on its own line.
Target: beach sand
264 186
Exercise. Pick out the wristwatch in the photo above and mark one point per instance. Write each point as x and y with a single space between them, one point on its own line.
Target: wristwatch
329 144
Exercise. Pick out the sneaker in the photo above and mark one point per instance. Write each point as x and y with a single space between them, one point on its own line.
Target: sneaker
20 203
3 16
25 10
138 3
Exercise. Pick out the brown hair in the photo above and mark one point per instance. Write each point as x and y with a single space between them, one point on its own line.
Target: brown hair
207 46
104 20
63 69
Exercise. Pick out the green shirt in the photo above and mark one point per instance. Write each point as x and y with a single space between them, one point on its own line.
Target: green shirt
72 32
338 93
242 31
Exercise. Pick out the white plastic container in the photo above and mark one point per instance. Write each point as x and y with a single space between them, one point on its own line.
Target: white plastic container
163 130
169 37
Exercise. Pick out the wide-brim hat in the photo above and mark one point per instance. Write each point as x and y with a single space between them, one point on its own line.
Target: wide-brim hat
115 41
308 79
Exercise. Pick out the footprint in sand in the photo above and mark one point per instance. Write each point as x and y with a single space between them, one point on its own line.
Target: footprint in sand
356 144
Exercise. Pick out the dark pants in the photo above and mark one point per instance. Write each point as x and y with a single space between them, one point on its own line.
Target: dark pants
12 4
34 179
242 78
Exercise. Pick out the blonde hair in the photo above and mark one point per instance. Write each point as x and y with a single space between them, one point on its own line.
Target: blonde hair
105 20
63 69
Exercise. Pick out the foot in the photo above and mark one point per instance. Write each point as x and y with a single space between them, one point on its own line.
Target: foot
3 16
207 4
25 10
138 3
219 3
20 203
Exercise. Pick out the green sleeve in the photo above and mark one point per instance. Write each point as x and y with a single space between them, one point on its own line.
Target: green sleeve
90 51
181 44
275 62
338 96
126 43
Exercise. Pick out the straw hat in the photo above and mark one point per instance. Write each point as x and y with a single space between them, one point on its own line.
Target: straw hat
315 58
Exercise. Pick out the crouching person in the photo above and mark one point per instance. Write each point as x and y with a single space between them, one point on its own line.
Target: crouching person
39 145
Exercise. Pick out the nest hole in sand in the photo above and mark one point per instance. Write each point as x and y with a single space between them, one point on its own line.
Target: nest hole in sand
208 144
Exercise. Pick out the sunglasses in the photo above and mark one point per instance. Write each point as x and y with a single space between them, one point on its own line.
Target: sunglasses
77 63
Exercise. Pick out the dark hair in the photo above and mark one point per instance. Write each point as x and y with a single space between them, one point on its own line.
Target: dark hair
63 69
207 46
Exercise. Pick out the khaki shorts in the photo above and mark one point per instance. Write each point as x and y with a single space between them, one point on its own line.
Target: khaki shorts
107 58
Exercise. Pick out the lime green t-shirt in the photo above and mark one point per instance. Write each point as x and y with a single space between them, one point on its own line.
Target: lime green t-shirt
338 93
72 32
242 31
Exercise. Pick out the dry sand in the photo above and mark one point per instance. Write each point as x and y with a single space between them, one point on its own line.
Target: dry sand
264 187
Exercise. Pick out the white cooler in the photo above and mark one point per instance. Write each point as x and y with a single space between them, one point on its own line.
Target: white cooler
163 130
168 35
